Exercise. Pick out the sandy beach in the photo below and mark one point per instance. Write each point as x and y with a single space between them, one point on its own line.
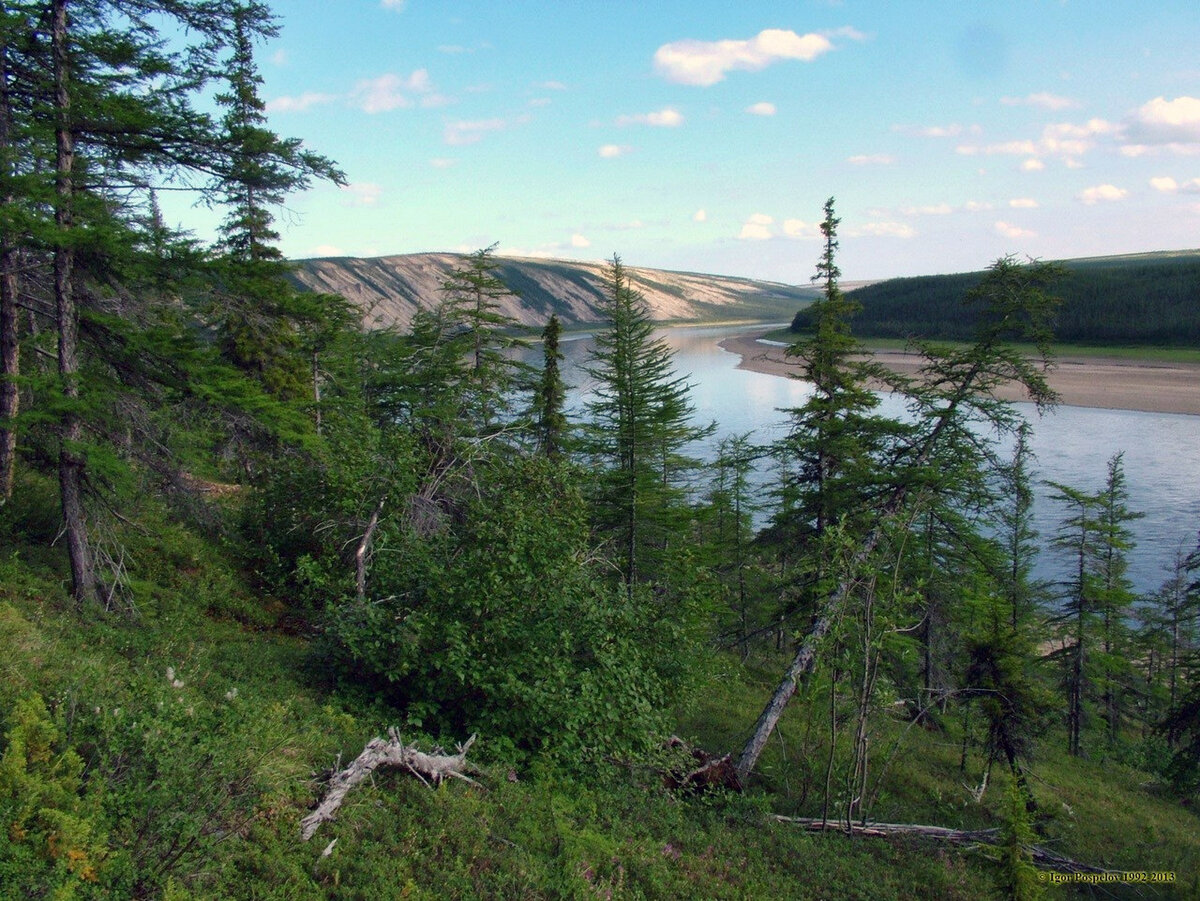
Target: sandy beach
1081 381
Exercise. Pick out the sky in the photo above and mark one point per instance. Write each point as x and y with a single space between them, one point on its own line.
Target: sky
706 136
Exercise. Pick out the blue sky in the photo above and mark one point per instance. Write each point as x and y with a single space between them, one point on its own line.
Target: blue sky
706 136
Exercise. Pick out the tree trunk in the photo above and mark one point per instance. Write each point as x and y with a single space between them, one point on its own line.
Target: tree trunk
10 348
70 460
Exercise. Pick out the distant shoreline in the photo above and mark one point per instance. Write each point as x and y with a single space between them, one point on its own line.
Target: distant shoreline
1104 382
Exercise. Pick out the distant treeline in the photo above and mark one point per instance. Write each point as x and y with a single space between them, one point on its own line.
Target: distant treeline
1144 299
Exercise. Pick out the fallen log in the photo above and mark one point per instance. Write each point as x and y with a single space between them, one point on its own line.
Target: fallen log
429 768
1041 857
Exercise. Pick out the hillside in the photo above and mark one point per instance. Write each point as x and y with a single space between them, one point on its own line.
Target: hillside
1129 299
389 289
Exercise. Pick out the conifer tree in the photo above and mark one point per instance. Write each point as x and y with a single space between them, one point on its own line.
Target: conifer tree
551 424
639 424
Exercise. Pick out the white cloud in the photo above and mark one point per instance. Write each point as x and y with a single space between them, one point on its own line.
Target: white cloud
663 118
883 230
798 228
361 194
298 104
551 86
327 250
539 101
1168 185
757 228
1100 193
462 132
705 63
975 206
1023 203
441 162
1032 165
397 5
937 131
937 209
871 159
1042 100
1166 122
700 216
390 91
761 109
612 151
1008 230
580 241
1064 140
279 58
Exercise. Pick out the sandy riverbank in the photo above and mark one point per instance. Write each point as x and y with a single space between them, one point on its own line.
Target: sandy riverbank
1081 381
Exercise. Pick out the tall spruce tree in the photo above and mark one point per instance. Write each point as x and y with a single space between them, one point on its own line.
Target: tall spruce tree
638 428
549 412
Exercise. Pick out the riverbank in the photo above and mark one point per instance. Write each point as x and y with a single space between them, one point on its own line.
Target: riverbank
1106 382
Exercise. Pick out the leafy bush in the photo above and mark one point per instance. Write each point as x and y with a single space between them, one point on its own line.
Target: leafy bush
500 625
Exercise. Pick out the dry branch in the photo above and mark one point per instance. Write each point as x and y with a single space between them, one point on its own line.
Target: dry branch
428 768
1041 857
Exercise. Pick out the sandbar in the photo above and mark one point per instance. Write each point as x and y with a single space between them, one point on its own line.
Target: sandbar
1083 381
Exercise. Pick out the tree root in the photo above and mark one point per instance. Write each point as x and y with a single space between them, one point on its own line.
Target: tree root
429 768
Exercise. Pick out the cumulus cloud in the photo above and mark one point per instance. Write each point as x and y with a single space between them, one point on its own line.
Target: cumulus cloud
361 194
975 206
883 230
761 109
462 132
953 130
1023 203
1032 165
1100 193
1166 122
612 151
390 91
700 216
757 227
871 159
663 118
1042 100
798 228
551 86
1168 185
279 58
397 5
304 102
1065 140
580 241
937 209
1008 230
705 63
327 250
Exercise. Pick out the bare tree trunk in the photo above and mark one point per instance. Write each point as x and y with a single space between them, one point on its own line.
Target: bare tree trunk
70 461
10 348
364 549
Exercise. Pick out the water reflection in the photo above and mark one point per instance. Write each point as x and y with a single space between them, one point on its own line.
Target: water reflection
1073 445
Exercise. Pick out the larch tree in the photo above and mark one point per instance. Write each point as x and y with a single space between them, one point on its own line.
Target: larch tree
639 423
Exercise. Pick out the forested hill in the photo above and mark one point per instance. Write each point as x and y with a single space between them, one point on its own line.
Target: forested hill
1149 298
389 289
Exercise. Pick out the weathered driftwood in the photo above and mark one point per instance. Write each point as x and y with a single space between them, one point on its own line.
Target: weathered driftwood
428 768
1041 857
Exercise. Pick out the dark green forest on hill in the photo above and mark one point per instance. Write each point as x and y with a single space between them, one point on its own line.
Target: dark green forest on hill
289 609
1139 299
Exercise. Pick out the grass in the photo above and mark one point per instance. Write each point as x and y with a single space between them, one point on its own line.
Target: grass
196 789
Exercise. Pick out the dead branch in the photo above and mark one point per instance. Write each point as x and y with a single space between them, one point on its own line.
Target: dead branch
428 768
1041 857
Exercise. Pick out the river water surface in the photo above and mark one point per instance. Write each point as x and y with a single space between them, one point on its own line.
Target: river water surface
1072 444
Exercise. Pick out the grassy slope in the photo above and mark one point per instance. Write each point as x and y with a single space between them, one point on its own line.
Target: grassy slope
196 788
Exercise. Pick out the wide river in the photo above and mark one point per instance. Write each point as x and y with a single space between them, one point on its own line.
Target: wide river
1072 444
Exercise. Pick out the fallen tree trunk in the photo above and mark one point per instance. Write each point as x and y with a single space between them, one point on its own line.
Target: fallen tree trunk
391 753
1043 858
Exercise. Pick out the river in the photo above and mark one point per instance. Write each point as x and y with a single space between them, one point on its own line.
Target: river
1072 444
